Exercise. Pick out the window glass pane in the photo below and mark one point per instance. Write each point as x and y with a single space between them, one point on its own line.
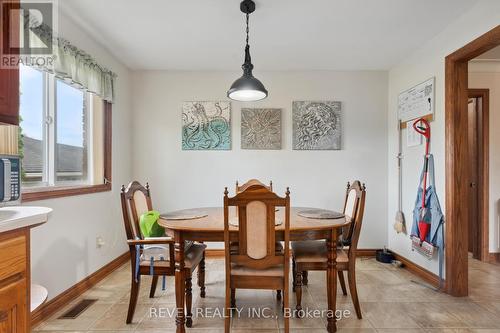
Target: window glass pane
71 134
31 112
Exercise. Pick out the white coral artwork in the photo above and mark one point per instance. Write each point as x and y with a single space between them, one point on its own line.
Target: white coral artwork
317 125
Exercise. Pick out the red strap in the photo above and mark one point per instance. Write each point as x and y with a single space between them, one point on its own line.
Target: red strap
424 129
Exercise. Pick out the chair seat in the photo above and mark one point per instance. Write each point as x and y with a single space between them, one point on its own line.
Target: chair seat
238 270
315 251
192 256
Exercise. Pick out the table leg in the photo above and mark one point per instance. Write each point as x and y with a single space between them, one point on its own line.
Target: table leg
180 283
331 277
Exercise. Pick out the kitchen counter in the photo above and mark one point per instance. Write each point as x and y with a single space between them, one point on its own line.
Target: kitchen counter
15 217
16 300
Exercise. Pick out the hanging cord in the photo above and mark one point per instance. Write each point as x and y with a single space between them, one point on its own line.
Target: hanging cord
248 29
247 65
138 249
163 278
400 174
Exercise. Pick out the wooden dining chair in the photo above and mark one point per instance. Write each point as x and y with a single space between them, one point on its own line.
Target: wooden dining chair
312 255
234 245
155 256
256 264
252 182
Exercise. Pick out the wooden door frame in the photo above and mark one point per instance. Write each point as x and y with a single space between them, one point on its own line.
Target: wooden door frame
457 169
483 183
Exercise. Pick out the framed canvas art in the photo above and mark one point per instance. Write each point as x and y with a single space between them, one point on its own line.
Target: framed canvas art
316 125
206 125
260 128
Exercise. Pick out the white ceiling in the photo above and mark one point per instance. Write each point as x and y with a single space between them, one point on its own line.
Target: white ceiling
284 34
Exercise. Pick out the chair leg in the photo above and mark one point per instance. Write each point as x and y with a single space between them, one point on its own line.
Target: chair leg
354 292
134 293
154 283
227 309
298 292
286 306
305 275
294 271
233 297
342 282
278 295
201 276
189 300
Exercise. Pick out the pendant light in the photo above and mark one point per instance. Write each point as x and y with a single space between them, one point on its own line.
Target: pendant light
247 88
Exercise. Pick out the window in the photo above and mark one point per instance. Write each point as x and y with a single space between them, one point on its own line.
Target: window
71 122
63 135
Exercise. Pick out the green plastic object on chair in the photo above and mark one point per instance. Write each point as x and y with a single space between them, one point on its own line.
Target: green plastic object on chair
149 225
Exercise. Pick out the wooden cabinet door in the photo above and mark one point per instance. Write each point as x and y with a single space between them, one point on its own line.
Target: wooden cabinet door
13 308
9 77
9 96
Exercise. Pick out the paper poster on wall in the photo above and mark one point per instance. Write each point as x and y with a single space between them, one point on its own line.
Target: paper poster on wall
412 137
416 102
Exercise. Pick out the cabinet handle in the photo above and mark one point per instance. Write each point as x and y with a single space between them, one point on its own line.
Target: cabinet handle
3 316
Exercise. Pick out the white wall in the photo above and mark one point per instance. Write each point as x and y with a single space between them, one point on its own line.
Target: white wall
184 179
64 249
427 62
487 75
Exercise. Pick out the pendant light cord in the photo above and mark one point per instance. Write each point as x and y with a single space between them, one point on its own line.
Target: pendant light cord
247 66
248 29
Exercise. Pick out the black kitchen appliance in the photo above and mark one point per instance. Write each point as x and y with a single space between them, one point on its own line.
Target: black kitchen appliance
10 179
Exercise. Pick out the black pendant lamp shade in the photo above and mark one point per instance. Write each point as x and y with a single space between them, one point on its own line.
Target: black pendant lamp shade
247 87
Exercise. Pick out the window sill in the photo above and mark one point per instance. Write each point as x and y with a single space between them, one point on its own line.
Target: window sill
60 192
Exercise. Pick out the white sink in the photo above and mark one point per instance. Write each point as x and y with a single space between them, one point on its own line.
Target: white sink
16 217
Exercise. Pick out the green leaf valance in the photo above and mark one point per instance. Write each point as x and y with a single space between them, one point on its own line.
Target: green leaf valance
75 65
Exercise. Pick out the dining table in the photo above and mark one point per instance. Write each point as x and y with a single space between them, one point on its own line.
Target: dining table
208 226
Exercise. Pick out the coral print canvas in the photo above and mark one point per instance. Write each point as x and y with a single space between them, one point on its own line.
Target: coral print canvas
317 125
206 125
261 128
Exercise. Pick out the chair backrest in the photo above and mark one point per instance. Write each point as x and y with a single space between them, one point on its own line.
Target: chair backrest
136 200
354 208
256 207
252 182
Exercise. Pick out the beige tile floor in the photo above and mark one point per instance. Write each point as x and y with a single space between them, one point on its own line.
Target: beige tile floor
390 302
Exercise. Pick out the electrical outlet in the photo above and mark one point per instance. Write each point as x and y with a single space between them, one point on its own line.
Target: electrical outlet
100 242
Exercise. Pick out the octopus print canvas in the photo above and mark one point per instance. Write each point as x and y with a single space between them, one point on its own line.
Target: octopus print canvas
261 128
206 125
317 125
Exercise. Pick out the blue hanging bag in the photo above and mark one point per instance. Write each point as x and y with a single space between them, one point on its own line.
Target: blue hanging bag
431 214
